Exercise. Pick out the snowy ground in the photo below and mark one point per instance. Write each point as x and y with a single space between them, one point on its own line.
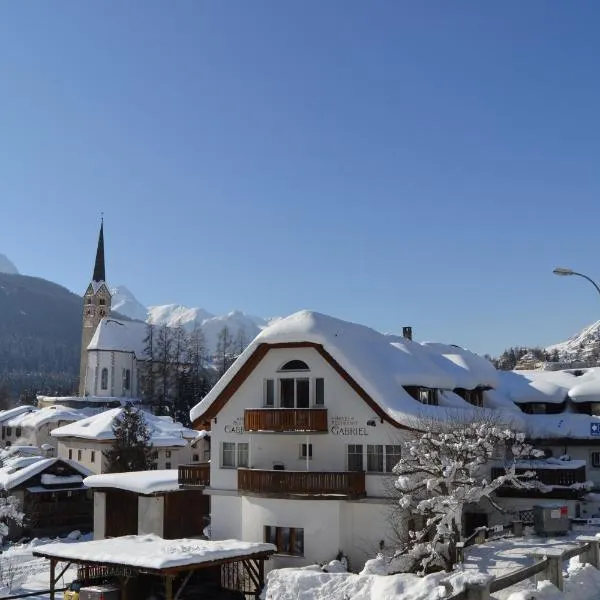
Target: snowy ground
582 582
21 572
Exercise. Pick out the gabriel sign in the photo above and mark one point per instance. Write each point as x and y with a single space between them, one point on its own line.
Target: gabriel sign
237 426
346 426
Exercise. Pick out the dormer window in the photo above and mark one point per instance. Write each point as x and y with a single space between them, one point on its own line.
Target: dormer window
423 395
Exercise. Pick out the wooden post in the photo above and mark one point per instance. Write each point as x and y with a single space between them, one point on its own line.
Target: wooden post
52 578
169 587
517 528
478 590
553 570
592 556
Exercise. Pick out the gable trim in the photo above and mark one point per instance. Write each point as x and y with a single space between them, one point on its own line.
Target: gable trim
203 422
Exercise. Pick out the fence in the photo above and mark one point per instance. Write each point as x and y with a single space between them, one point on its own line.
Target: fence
548 565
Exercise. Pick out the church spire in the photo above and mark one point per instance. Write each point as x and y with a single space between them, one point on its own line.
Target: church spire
99 273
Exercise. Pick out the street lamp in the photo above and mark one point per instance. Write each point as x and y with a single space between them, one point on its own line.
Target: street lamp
562 271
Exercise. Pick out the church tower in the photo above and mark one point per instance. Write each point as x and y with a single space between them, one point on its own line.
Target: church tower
96 306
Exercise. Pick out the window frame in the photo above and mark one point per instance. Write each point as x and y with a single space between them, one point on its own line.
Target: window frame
355 453
595 463
274 534
232 449
302 455
104 378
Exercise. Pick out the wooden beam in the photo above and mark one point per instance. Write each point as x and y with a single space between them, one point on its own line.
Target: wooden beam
182 586
252 574
62 572
52 578
169 587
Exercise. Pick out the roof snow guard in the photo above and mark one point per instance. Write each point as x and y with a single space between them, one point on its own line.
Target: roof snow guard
99 271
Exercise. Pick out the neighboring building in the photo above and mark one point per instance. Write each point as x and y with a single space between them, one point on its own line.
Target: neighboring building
308 423
51 495
33 427
147 502
86 441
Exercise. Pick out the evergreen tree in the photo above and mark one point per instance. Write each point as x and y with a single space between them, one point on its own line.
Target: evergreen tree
224 355
164 370
132 449
146 368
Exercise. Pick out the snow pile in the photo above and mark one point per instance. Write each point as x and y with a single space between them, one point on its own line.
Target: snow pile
164 431
140 482
372 583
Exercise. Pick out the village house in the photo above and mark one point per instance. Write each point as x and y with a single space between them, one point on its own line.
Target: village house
308 423
50 493
32 427
86 441
147 502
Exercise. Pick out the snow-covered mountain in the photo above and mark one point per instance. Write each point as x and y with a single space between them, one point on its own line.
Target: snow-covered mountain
583 345
240 324
7 266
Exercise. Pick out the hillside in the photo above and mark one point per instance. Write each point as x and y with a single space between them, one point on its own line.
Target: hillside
584 345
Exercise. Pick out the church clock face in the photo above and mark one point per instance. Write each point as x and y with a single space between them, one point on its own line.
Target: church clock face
101 313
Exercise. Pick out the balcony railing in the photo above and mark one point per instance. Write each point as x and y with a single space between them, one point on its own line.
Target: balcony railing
286 419
197 475
302 483
559 480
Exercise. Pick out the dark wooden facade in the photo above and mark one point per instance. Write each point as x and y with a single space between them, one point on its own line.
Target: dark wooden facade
288 420
302 483
53 510
197 475
559 480
121 513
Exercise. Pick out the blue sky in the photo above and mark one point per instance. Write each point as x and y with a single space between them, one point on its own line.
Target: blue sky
391 163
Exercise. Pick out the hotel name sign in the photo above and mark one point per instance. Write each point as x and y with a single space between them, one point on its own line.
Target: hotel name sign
337 426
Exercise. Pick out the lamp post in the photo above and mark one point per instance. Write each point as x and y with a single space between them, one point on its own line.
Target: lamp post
564 272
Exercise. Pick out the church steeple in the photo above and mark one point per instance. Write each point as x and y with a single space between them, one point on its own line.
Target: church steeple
99 273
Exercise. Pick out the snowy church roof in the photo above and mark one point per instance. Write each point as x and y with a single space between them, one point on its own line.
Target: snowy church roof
380 364
40 416
120 336
163 430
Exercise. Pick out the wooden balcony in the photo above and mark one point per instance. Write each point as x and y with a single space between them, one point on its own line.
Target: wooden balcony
286 420
302 483
197 475
559 480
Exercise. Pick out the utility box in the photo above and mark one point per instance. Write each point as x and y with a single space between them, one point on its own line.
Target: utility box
551 520
100 592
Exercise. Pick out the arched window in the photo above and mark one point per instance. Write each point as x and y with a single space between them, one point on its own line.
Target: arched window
104 379
126 380
295 365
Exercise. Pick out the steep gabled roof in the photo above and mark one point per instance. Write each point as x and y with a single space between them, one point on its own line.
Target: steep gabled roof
120 336
99 270
377 366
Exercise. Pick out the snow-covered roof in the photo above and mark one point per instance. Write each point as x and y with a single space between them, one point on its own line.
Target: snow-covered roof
11 413
120 336
152 552
140 482
563 425
536 386
381 364
468 369
163 430
16 473
40 416
550 463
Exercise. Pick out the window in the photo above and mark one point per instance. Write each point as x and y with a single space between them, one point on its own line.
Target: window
374 458
289 540
195 458
8 431
596 460
294 393
153 467
70 454
303 451
242 454
101 301
88 300
3 432
104 379
92 456
126 380
167 465
18 432
269 393
228 454
355 457
79 454
319 391
428 396
295 365
167 454
392 456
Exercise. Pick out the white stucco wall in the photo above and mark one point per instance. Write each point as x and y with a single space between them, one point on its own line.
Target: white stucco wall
151 510
115 363
226 517
99 515
347 417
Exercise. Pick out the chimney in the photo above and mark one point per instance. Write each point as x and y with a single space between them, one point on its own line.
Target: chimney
407 333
